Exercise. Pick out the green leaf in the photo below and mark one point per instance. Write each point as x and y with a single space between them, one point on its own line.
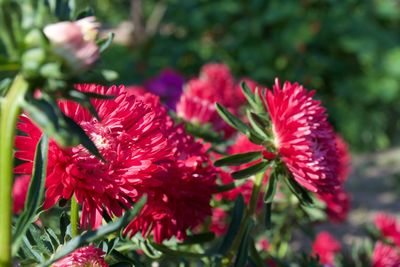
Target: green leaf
232 120
63 129
238 159
35 194
267 215
252 170
271 188
258 124
234 225
243 251
198 238
230 186
302 194
249 95
254 255
91 236
106 42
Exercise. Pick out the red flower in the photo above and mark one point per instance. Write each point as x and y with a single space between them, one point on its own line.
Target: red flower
303 137
219 221
129 138
389 227
326 246
344 158
200 111
221 87
385 256
20 190
82 257
179 193
337 205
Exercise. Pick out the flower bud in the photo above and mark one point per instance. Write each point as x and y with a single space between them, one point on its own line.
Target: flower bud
75 42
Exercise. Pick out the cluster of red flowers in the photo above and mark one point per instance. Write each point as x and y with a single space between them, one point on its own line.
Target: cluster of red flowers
215 84
386 255
144 152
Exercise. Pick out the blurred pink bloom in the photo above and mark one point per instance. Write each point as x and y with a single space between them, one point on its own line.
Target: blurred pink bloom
337 205
344 158
83 257
326 246
219 223
385 256
20 190
75 42
389 227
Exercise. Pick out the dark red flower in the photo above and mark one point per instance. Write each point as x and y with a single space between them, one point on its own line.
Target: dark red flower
385 256
389 227
179 193
129 138
219 223
326 246
303 137
20 190
337 205
200 111
83 257
344 158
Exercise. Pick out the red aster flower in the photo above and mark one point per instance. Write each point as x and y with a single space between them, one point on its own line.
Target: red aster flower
20 190
337 205
303 137
326 246
129 138
200 111
344 158
242 145
136 90
389 227
179 193
83 257
221 87
219 224
385 256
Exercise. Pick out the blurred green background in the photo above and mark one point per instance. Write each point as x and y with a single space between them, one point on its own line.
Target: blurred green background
349 51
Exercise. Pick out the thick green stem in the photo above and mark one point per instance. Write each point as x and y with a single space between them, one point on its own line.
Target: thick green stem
249 213
10 110
74 216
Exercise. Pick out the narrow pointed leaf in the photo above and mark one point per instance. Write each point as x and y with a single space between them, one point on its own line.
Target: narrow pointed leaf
91 236
267 215
234 225
105 43
302 194
232 120
271 188
243 252
35 194
256 125
252 170
249 95
238 159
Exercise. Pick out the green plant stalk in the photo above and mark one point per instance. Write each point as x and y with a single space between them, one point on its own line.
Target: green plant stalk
249 213
10 110
74 217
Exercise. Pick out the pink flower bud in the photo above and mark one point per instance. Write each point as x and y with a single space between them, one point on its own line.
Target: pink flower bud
75 42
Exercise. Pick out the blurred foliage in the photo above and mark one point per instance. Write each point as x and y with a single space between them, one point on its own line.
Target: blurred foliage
348 50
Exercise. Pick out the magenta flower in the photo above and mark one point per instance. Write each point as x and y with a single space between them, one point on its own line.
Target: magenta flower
83 257
326 247
303 137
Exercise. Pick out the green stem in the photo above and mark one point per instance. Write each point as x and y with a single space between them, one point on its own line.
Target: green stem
74 216
10 110
249 213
